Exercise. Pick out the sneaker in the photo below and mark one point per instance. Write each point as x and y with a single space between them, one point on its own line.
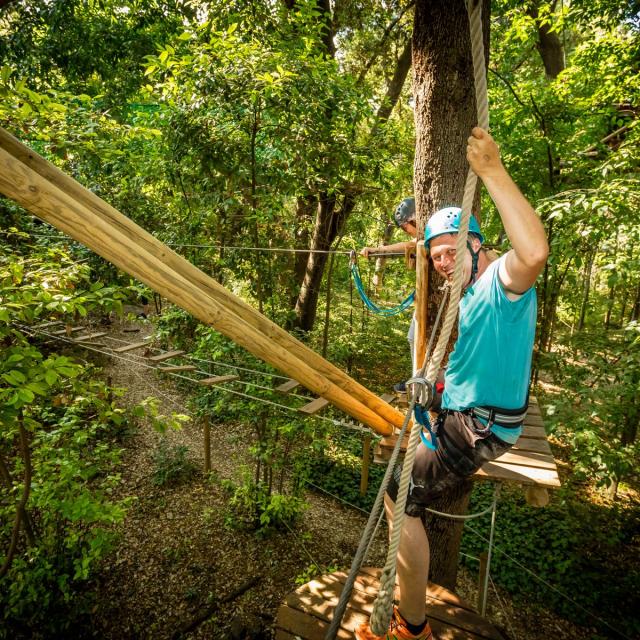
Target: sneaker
400 387
397 630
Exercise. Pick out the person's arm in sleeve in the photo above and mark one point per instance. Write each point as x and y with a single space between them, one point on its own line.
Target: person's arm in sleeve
398 247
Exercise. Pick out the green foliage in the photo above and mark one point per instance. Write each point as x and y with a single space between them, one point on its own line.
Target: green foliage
570 544
255 507
171 464
59 429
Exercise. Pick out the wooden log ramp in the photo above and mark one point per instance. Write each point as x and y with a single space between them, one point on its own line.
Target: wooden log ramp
58 199
307 612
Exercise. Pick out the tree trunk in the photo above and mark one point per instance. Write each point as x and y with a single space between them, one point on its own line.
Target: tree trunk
305 209
586 289
610 303
549 45
445 113
329 223
445 535
635 312
381 262
394 89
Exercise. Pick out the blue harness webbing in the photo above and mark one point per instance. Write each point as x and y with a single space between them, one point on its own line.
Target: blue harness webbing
403 306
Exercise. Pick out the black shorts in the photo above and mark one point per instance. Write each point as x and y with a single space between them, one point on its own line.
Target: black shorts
463 447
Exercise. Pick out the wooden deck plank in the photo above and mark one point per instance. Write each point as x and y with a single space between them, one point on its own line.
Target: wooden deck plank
321 596
530 431
177 367
531 444
528 459
307 611
132 347
217 380
517 473
165 356
314 406
288 386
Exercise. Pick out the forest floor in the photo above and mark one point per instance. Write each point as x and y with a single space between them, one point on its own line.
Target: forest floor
178 559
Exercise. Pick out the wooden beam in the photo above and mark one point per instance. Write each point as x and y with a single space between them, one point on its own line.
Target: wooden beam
217 380
165 356
131 347
147 247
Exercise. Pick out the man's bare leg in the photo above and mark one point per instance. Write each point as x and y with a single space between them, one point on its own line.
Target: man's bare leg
412 565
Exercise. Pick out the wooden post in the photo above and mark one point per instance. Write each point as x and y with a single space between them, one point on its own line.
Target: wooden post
51 204
364 475
145 243
482 581
422 300
207 445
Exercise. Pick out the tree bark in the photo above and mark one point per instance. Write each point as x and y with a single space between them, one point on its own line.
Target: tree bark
586 289
549 45
395 88
329 223
445 535
445 113
635 312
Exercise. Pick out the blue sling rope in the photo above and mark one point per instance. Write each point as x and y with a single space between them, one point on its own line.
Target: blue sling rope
403 306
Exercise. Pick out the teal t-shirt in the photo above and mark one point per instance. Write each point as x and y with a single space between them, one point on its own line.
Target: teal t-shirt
491 360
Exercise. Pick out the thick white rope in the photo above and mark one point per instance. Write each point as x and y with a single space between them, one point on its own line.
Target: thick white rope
383 606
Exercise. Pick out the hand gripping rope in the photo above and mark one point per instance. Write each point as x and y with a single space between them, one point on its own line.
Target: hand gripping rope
383 606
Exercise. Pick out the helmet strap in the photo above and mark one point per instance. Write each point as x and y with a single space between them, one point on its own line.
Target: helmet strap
474 263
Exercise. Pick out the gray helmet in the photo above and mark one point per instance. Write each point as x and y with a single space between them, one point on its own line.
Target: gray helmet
406 211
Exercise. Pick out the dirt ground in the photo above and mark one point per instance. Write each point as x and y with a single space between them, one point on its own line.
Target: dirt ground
178 566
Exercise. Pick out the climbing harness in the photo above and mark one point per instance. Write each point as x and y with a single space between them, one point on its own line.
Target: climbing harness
372 306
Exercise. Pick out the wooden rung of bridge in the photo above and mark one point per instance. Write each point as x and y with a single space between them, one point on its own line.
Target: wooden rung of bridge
177 367
66 331
307 612
288 386
47 325
132 347
207 382
89 337
313 407
165 356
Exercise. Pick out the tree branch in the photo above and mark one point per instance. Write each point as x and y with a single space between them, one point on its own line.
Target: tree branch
383 39
20 510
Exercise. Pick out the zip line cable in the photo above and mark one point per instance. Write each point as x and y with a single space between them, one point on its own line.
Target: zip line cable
343 252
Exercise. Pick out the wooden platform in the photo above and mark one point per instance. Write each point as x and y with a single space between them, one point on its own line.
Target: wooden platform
307 612
529 461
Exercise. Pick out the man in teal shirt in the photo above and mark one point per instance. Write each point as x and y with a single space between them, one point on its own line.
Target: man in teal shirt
487 377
